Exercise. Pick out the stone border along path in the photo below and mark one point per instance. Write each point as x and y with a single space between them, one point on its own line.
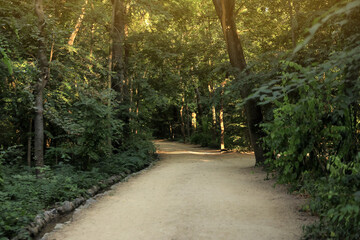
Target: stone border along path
50 217
192 194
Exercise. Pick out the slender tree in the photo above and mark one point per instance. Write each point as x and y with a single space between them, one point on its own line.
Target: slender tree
78 25
40 86
118 46
225 12
221 118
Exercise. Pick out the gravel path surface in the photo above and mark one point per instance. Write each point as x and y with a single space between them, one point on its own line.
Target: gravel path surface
190 194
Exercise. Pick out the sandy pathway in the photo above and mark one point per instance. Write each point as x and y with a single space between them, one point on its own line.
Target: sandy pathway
191 193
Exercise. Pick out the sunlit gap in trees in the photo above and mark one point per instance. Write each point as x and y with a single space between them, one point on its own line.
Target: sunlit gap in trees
187 152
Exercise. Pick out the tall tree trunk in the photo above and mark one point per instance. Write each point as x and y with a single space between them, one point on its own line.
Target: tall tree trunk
91 51
29 143
109 81
118 46
198 102
221 119
126 83
293 21
137 109
188 119
213 112
78 25
182 119
225 12
193 122
92 35
39 88
172 135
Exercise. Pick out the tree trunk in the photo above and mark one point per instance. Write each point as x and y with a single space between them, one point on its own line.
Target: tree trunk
39 88
221 119
198 103
188 119
182 119
225 12
172 135
213 112
293 21
193 122
109 85
78 25
92 35
29 149
91 51
118 47
137 109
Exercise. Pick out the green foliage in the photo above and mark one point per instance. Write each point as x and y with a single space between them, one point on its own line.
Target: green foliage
341 8
314 121
312 139
1 168
6 61
204 139
23 195
204 136
336 199
88 124
176 60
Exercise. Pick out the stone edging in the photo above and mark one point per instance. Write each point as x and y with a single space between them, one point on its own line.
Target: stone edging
43 219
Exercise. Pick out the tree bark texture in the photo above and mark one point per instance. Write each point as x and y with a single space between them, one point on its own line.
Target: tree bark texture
293 6
182 119
29 143
78 25
221 120
39 88
213 111
118 46
188 121
225 12
198 102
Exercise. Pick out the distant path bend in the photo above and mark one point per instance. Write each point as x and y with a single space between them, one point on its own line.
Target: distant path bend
191 194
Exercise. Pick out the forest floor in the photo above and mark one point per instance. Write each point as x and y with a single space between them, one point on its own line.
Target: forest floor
192 193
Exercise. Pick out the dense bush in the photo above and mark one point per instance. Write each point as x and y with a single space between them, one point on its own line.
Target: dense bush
85 125
204 139
312 140
23 196
336 199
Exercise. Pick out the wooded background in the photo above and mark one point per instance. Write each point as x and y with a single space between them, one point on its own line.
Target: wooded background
86 84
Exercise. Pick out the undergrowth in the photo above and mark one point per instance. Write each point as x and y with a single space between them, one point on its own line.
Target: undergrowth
23 196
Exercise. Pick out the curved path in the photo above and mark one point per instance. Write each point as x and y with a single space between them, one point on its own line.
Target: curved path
191 194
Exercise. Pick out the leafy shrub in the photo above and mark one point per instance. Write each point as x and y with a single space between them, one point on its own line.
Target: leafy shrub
313 138
89 125
203 139
136 153
12 155
23 195
337 200
312 123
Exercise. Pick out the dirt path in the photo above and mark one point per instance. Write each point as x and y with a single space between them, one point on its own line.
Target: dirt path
191 193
